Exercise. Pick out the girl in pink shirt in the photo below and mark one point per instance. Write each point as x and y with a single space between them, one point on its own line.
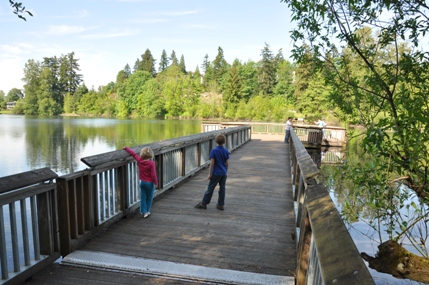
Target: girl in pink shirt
147 176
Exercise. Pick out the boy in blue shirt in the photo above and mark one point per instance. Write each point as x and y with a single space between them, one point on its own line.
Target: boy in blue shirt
217 174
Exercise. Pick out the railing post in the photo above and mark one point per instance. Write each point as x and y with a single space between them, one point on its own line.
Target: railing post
64 219
304 246
44 214
160 169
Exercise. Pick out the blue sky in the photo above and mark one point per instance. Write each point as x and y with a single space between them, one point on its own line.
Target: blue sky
105 35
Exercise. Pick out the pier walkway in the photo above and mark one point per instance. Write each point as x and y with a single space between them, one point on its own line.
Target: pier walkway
250 242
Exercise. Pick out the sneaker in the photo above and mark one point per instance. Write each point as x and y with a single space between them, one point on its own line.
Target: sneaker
219 207
146 215
200 206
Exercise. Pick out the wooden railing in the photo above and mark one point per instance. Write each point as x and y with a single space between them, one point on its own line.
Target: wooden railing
326 251
65 214
309 135
28 224
92 199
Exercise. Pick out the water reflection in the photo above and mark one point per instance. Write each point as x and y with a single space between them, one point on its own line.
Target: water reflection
366 230
30 142
327 155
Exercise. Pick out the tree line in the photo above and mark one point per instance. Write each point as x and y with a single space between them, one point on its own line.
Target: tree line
270 89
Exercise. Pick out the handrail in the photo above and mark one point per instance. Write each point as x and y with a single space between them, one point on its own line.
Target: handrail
326 251
93 199
310 135
31 198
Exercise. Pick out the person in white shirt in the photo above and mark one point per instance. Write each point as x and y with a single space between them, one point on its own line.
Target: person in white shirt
321 124
289 127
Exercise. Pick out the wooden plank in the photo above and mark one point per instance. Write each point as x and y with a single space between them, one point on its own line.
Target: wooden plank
10 197
159 147
23 179
254 233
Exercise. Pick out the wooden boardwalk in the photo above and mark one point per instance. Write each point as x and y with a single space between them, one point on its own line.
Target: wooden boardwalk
253 233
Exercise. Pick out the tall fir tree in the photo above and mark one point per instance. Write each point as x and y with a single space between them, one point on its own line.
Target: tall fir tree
182 65
208 72
267 71
69 78
147 63
232 92
31 80
127 70
163 63
220 67
303 75
173 59
53 87
136 65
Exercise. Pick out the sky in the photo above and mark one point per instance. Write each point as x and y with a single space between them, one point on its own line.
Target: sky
105 35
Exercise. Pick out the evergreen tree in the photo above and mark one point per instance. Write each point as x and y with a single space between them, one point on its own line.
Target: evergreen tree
182 64
127 71
285 81
47 94
136 65
279 58
173 59
147 63
220 67
232 92
267 71
52 86
163 63
123 75
303 75
197 74
69 79
31 80
208 72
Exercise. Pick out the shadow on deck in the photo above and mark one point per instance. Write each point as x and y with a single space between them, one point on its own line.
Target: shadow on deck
252 235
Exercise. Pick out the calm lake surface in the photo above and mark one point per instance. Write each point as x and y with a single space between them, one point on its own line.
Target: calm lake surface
31 142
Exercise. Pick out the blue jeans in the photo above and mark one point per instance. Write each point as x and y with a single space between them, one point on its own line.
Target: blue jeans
146 196
214 180
287 136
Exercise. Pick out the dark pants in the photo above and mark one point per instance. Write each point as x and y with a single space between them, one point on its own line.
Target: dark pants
214 180
287 136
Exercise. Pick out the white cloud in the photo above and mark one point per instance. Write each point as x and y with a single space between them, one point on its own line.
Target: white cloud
65 30
113 34
8 49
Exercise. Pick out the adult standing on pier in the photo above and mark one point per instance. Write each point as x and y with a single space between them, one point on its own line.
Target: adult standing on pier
321 124
289 127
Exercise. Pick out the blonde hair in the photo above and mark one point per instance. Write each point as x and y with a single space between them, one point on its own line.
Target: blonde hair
146 153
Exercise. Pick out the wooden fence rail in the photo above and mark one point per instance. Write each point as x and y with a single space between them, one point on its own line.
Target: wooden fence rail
65 214
28 210
310 135
326 251
93 199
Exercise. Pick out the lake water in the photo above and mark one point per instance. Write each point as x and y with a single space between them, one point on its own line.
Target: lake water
31 142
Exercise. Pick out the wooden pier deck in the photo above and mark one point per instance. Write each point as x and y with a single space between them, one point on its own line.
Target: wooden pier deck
253 233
